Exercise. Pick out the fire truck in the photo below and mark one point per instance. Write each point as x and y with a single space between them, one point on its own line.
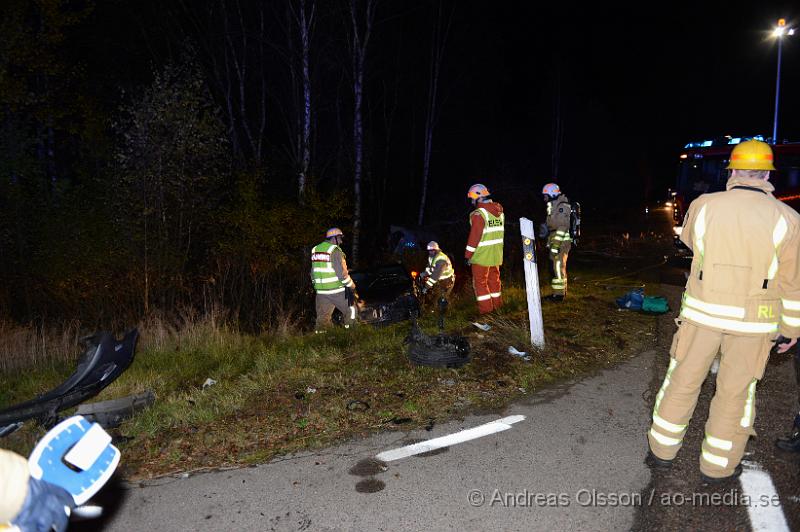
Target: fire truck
701 169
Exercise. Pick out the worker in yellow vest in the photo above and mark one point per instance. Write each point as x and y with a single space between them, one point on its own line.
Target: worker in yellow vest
439 277
332 283
743 294
484 252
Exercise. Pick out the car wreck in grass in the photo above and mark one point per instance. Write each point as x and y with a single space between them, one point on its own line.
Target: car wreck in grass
387 294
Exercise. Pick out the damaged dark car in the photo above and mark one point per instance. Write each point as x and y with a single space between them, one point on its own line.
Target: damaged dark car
386 294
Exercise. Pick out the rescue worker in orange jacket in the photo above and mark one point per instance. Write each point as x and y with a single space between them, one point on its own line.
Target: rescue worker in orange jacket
559 240
332 283
743 292
439 277
484 251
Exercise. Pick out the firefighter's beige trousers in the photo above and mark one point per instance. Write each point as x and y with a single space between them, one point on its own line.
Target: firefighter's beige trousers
732 411
558 265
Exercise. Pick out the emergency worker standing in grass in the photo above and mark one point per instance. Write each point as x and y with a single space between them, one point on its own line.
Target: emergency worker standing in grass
332 283
559 240
484 252
742 294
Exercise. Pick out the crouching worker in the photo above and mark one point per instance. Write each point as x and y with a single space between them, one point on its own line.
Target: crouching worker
28 503
438 278
333 285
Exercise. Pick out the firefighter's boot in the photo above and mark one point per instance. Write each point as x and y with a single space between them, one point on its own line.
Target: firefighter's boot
791 443
654 462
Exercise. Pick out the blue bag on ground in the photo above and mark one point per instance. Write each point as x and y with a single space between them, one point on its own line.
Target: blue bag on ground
632 300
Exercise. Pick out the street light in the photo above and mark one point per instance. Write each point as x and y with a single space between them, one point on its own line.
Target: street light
778 33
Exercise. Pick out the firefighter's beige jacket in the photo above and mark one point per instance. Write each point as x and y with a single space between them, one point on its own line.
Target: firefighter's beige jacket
745 275
13 484
558 214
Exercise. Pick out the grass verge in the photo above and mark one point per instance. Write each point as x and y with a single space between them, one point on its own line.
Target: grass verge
280 394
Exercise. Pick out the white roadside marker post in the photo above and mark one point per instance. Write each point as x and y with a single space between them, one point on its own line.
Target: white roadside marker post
532 282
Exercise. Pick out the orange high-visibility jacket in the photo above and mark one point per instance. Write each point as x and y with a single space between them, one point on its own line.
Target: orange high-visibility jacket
745 275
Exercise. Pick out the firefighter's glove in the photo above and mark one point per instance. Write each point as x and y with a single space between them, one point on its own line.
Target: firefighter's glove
543 231
782 340
46 507
467 263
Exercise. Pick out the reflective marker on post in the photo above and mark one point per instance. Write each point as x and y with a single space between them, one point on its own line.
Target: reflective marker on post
532 282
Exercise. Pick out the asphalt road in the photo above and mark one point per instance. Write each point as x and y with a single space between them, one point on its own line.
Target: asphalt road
578 446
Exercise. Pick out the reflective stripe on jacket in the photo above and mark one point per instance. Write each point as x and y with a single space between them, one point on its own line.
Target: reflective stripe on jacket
328 270
745 274
445 270
489 249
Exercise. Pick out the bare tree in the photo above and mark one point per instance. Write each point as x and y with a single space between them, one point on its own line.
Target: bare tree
558 127
438 43
303 16
231 36
359 40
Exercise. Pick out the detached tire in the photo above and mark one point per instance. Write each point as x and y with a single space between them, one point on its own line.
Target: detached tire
441 351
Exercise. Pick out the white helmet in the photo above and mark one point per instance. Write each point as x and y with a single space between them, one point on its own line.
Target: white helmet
433 246
551 189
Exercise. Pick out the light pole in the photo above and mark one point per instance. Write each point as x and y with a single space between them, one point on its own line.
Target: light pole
778 33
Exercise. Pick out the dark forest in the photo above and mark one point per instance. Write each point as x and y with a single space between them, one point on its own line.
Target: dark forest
177 154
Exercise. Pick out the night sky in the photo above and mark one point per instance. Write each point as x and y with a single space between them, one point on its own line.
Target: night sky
633 87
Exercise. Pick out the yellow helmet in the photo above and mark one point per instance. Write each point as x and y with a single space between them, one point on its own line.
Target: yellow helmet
751 155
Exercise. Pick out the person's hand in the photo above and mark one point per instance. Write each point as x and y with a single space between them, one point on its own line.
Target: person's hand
543 231
47 507
467 263
782 348
424 289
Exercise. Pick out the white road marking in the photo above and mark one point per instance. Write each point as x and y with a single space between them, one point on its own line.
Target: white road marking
764 509
451 439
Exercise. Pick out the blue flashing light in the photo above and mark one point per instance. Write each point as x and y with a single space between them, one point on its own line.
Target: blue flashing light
735 140
706 143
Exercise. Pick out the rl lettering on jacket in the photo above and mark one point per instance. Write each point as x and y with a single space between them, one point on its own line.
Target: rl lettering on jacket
495 223
765 312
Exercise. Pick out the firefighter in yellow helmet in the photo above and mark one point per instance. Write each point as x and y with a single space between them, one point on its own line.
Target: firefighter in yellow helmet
559 241
743 294
332 283
439 277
